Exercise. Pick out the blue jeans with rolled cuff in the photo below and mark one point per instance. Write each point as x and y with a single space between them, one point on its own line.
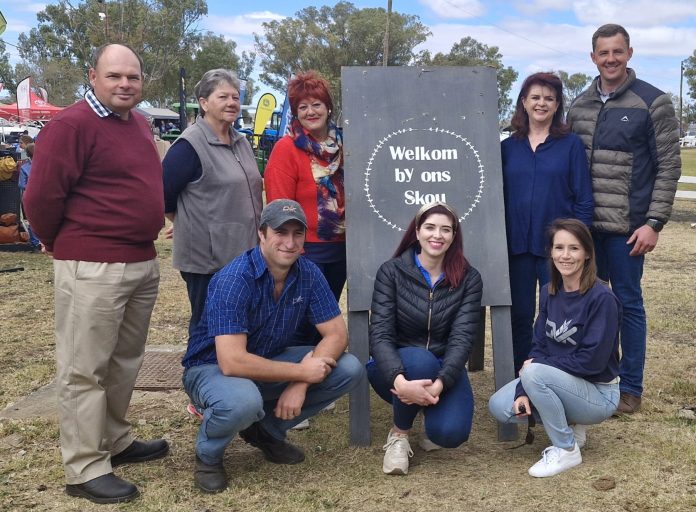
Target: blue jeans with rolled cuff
448 422
231 404
559 400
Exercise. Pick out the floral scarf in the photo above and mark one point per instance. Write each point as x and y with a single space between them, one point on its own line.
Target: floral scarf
328 178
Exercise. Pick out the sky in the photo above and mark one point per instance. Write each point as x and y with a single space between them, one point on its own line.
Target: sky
532 35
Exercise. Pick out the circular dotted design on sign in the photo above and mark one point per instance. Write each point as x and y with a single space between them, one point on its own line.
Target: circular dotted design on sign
380 145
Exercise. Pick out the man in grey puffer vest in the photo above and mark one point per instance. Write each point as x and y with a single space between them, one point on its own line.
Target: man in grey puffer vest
631 135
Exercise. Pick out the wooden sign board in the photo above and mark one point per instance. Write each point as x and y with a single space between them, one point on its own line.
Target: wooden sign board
414 136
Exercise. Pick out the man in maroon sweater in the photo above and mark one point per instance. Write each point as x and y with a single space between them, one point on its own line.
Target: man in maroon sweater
96 203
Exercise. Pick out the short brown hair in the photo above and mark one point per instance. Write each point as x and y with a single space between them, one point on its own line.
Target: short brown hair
30 149
589 271
610 30
25 139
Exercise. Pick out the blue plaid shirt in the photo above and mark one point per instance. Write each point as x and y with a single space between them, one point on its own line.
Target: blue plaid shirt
240 300
99 108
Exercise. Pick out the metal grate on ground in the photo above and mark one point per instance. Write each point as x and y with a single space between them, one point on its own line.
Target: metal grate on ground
160 370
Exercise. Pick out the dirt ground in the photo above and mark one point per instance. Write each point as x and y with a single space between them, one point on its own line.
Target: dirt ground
645 462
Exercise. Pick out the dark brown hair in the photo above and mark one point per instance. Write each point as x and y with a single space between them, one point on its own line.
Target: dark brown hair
520 120
455 264
610 30
589 271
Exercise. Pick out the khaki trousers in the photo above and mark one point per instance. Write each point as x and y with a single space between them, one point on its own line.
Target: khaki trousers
102 320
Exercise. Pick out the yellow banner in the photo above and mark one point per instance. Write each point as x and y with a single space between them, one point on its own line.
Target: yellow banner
264 111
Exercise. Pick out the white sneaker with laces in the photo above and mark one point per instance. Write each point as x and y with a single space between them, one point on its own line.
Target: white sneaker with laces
556 460
398 450
580 433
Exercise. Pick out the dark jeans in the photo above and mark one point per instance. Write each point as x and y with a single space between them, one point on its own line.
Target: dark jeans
335 274
624 273
526 270
448 422
197 287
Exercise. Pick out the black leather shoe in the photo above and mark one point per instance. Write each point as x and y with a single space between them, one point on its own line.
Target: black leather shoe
104 489
278 451
141 451
210 477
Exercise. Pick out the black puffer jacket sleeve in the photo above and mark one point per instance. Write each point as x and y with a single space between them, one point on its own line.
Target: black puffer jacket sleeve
463 331
401 303
383 343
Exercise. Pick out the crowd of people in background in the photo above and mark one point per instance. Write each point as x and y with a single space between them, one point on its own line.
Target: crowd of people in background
585 199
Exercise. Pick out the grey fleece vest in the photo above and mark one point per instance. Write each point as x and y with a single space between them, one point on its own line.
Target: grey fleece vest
217 216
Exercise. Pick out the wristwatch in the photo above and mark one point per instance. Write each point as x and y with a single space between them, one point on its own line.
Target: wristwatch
655 224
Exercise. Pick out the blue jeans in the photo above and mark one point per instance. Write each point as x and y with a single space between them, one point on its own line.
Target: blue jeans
448 422
559 399
231 404
624 273
526 270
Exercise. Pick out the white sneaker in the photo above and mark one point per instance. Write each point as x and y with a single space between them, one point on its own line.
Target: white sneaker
302 425
330 407
556 460
398 450
427 445
580 433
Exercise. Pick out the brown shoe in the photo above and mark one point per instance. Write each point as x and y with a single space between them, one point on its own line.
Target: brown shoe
628 404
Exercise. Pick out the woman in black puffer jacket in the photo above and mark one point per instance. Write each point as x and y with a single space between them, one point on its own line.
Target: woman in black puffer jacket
424 318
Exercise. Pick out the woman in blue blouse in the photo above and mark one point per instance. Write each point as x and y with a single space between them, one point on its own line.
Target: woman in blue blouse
545 177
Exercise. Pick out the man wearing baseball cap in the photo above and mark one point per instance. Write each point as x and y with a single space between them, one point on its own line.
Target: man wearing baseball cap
243 371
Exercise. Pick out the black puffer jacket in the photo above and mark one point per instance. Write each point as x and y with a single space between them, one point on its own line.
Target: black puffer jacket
401 308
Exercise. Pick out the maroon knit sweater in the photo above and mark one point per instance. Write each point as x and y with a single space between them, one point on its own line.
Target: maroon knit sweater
96 187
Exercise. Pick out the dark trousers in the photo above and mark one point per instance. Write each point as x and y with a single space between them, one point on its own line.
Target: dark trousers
448 422
526 271
197 287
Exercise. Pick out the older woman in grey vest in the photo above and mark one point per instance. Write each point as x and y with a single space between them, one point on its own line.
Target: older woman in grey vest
212 188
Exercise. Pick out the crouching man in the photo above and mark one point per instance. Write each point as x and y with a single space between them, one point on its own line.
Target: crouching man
242 371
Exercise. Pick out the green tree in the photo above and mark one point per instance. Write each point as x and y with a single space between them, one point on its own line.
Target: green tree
690 74
53 75
326 38
246 68
163 32
7 76
214 51
573 85
469 52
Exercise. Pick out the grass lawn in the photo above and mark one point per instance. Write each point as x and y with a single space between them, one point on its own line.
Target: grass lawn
648 458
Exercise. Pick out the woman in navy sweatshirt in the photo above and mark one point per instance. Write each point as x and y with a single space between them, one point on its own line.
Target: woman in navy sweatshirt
570 379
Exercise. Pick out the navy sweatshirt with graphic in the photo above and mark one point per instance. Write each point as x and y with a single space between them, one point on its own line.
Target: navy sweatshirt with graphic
578 333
